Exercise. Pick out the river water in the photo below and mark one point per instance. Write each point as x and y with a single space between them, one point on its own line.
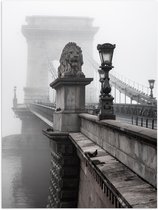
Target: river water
25 171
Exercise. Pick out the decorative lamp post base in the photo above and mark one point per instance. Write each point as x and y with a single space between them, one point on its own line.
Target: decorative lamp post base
106 117
106 108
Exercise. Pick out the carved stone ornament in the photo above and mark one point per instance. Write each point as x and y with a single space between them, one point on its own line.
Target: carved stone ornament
71 61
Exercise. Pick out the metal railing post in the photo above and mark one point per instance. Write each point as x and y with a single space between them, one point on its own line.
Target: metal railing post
153 123
132 119
142 122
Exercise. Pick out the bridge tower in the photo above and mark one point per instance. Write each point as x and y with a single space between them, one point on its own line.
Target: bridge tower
46 36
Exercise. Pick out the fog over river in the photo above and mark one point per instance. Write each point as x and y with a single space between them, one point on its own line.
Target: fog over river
25 170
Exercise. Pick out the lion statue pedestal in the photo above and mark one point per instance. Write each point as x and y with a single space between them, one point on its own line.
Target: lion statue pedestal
70 90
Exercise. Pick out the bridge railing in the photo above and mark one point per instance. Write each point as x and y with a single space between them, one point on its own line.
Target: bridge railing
141 115
43 110
148 111
148 123
47 104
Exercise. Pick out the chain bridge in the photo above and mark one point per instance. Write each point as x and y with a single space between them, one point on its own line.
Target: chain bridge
115 159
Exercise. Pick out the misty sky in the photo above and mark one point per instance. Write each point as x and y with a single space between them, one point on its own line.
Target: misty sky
130 24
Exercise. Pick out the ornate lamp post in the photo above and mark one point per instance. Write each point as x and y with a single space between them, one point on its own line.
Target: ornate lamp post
15 98
106 100
151 86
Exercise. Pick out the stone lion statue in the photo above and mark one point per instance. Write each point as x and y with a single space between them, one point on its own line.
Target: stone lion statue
71 61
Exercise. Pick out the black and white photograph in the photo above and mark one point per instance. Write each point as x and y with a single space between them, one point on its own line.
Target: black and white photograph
79 103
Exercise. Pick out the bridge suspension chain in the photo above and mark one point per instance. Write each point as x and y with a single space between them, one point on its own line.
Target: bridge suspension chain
50 65
129 90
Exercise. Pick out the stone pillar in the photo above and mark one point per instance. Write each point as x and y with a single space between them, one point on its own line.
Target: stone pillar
37 74
70 101
70 89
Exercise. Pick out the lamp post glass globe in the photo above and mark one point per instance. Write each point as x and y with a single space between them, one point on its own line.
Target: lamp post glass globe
151 83
106 53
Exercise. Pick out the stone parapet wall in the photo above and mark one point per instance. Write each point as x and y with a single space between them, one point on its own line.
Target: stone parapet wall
90 193
134 146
